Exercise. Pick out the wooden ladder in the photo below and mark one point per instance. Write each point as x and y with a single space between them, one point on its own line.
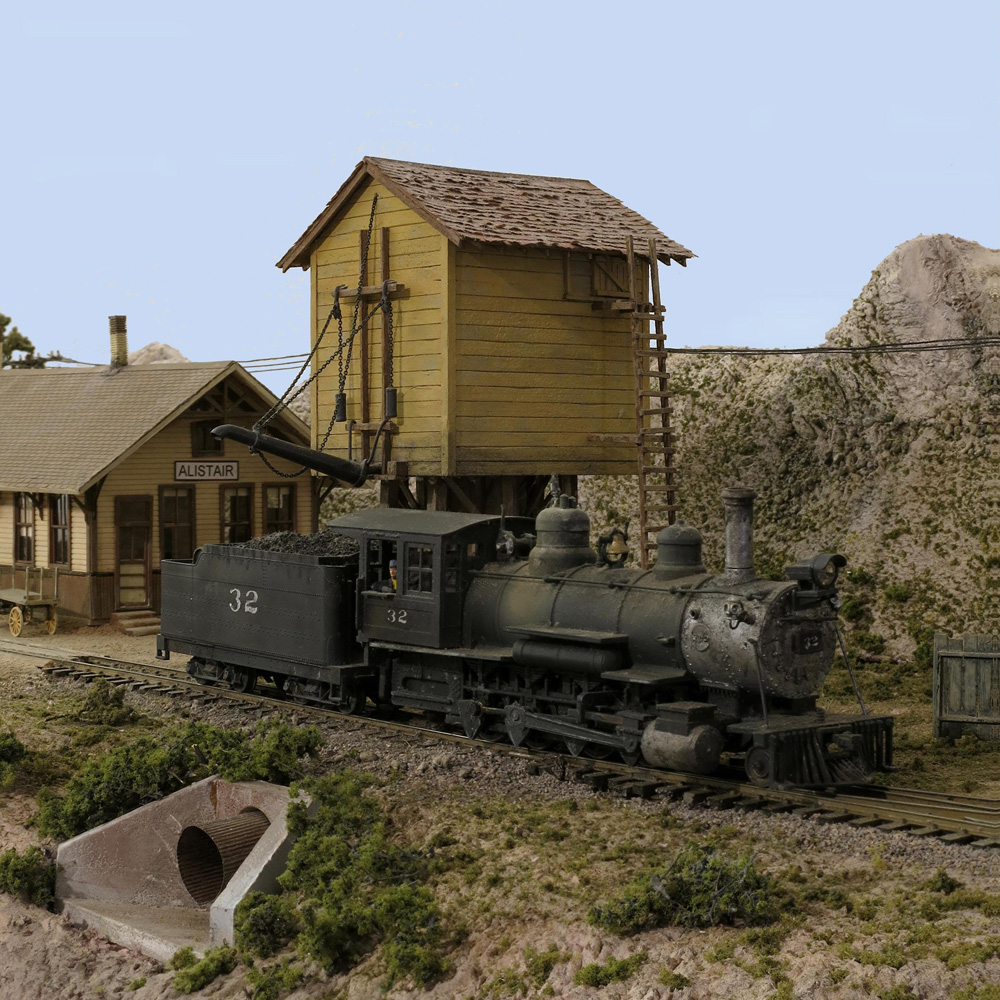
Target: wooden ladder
657 492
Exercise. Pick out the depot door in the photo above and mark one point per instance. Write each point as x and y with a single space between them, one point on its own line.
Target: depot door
133 550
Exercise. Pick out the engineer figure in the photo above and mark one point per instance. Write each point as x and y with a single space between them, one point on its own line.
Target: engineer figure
389 586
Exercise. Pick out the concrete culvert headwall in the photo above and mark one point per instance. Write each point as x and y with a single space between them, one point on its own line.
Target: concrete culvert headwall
209 855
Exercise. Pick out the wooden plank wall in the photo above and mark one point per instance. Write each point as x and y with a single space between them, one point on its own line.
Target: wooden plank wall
78 534
416 251
153 465
537 374
6 528
78 538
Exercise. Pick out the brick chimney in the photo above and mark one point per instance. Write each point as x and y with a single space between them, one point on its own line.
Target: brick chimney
119 342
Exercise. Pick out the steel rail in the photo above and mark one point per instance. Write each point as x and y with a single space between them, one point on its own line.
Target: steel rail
950 817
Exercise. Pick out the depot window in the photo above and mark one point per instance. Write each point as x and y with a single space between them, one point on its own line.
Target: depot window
59 529
24 528
237 514
279 509
202 442
177 522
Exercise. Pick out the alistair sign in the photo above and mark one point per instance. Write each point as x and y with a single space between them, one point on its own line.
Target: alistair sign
206 470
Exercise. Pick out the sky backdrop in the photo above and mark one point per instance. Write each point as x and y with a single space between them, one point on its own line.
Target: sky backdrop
159 159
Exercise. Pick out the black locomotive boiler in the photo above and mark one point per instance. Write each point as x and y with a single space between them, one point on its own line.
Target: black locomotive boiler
515 630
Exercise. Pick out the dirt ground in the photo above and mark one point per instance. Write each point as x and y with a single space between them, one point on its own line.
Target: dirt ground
886 935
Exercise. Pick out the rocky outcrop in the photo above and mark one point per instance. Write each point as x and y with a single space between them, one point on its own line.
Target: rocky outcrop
156 354
891 458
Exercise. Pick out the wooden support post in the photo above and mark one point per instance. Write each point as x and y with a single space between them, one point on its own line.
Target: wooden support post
509 497
386 341
366 414
437 494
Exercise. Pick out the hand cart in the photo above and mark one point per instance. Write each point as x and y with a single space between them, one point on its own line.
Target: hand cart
37 597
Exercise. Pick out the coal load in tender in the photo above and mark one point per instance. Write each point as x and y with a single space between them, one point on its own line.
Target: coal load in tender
322 543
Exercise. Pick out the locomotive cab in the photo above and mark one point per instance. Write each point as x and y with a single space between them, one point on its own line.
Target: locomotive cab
435 553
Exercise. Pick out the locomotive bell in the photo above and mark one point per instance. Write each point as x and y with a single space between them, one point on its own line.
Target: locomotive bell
678 552
563 541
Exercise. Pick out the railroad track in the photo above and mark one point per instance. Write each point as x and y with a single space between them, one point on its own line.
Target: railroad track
950 818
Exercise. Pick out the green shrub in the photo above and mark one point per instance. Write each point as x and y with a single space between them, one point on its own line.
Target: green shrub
941 881
539 964
701 888
183 958
274 981
137 984
855 609
970 745
264 924
898 992
615 971
989 992
217 962
29 876
12 751
673 980
870 642
900 593
355 888
127 777
105 705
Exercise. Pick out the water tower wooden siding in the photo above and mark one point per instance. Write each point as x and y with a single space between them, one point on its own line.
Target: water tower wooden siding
511 351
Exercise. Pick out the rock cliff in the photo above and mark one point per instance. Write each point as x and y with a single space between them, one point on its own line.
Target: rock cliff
892 459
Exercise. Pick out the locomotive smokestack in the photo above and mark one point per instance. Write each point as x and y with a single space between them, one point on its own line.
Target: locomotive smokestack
739 533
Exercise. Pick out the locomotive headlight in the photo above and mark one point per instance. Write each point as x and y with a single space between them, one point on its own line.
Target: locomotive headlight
821 571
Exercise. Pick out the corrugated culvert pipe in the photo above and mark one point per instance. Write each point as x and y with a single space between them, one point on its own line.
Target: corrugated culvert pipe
209 855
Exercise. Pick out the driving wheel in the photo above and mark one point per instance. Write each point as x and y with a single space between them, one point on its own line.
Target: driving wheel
758 765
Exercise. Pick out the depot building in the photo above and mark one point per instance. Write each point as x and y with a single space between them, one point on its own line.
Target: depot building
105 471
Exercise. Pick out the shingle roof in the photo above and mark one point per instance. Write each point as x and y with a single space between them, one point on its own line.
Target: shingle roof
64 428
480 206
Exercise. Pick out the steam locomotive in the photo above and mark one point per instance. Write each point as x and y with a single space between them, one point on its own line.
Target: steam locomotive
516 629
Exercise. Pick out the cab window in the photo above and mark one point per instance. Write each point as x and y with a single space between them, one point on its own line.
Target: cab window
419 569
452 565
380 554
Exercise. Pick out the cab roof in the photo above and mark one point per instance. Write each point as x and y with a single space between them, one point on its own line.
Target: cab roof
408 522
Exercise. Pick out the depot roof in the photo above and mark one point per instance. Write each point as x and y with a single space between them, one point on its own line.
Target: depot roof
66 428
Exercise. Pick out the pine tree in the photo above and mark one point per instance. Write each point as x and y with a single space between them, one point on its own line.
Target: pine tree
16 342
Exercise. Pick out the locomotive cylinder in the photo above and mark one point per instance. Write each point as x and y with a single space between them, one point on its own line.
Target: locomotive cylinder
698 751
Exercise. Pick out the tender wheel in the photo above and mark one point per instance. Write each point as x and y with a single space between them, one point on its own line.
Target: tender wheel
52 624
758 766
15 621
243 681
351 704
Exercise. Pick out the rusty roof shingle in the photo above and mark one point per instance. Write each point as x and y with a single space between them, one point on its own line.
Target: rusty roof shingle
485 207
64 428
